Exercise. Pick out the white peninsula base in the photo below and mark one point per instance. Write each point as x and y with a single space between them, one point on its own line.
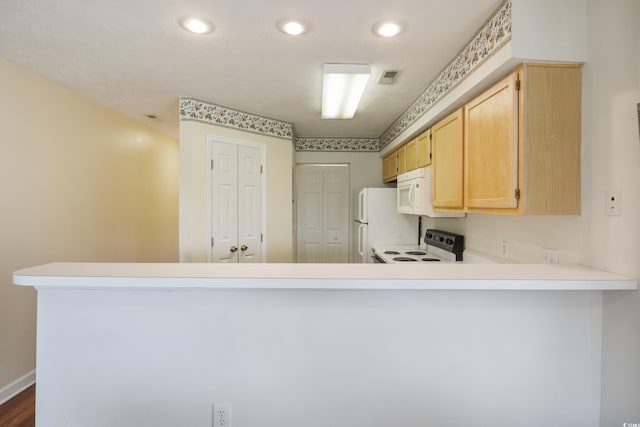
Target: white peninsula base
127 355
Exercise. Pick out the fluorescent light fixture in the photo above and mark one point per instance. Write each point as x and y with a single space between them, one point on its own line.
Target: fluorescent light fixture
342 88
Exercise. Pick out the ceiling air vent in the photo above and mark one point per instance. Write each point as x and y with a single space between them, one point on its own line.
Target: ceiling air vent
155 117
388 77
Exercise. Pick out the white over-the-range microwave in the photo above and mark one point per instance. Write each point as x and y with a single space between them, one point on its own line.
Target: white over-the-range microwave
414 194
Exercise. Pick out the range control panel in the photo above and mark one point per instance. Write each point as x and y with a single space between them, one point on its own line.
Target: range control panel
449 242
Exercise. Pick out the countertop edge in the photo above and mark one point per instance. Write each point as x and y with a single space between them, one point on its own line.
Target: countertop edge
177 277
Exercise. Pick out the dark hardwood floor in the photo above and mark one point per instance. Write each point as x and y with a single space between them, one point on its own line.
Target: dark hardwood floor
19 411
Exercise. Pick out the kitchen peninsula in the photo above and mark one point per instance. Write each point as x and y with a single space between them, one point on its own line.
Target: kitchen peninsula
461 344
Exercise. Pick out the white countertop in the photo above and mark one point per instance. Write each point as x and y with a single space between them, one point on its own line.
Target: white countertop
320 276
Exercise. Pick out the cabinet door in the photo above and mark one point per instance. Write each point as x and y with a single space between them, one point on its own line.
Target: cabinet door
402 159
389 167
385 168
393 165
423 149
411 156
491 147
447 166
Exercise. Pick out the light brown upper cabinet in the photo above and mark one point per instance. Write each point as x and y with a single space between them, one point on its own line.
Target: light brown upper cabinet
423 149
522 143
447 153
402 159
411 156
491 147
390 167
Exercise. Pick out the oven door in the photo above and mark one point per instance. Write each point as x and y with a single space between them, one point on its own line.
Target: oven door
377 259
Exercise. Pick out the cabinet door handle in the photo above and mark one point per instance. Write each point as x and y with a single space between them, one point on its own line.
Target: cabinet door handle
244 248
233 249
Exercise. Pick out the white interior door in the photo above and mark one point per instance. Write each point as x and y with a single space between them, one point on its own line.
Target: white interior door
236 203
224 202
309 201
249 204
322 203
336 213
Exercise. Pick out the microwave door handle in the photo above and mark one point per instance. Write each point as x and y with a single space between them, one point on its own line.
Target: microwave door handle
412 189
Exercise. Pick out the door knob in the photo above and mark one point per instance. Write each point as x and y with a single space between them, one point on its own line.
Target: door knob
244 248
233 249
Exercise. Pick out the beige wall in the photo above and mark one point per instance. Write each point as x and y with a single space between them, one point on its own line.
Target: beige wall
194 240
79 183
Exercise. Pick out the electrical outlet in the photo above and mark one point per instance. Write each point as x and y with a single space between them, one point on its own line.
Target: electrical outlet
550 256
222 415
505 249
614 203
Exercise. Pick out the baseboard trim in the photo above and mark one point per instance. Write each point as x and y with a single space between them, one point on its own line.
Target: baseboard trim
12 389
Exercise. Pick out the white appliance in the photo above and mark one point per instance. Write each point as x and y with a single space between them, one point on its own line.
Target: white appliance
414 194
440 246
377 222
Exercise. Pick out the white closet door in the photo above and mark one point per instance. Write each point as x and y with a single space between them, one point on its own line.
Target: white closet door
336 213
224 203
249 205
309 200
322 199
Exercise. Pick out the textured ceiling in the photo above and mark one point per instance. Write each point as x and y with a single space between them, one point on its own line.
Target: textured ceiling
133 57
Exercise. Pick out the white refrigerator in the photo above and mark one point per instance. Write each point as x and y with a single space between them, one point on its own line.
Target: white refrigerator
377 222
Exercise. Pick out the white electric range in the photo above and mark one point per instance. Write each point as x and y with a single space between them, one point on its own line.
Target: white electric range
440 246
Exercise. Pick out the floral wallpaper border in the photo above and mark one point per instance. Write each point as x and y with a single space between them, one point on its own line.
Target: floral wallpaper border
337 144
202 111
494 34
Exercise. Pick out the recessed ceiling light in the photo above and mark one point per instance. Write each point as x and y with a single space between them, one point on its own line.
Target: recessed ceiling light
388 28
197 26
292 27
